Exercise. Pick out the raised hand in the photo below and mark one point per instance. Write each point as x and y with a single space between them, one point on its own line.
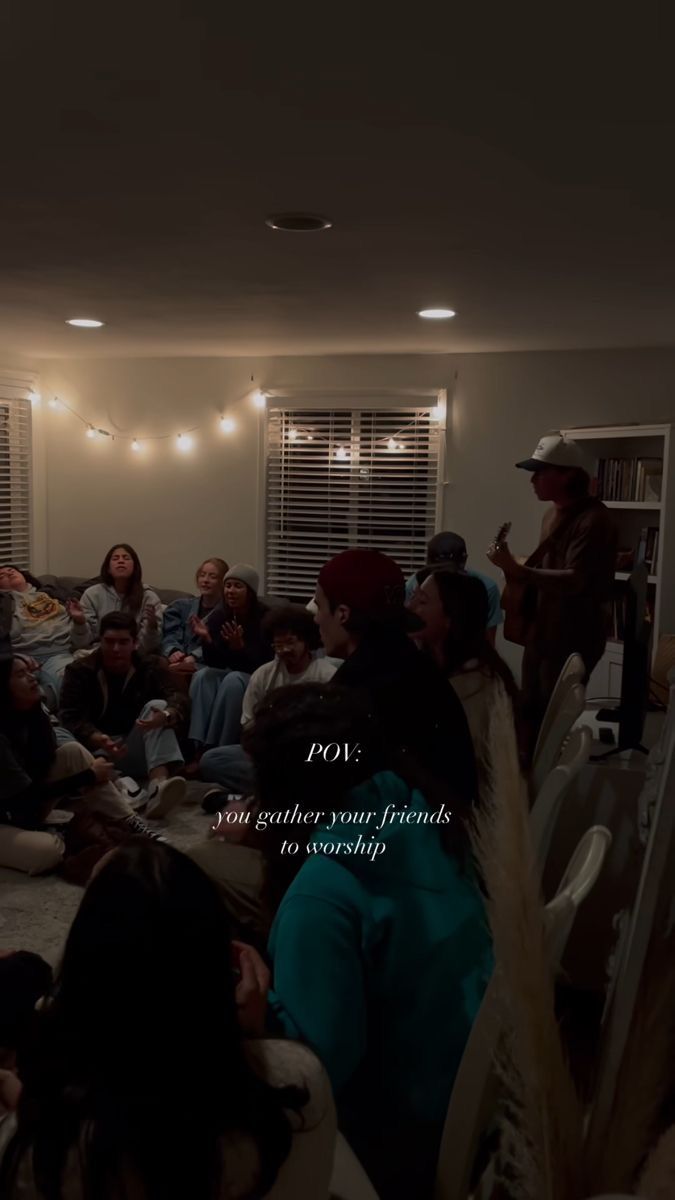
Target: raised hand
200 628
150 617
233 634
75 612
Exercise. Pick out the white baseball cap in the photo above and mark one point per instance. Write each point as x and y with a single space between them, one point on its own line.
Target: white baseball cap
556 450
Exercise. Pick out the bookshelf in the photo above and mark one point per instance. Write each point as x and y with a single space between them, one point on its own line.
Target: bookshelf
631 474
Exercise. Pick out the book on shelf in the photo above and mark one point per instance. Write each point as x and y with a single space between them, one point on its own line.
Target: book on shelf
630 479
648 548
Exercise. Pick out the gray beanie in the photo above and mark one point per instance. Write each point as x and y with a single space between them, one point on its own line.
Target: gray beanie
245 574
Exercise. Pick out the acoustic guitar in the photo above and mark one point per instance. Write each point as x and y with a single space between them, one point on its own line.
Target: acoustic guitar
517 598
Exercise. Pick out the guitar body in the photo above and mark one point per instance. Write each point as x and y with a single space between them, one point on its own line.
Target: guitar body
516 603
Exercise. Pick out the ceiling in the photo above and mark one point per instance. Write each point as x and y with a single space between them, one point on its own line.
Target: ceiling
516 168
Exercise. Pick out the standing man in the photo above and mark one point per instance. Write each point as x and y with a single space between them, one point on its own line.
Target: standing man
567 583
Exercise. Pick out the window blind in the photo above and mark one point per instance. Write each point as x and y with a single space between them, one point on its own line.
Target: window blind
343 478
15 482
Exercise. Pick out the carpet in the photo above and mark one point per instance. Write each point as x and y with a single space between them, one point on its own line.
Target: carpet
36 911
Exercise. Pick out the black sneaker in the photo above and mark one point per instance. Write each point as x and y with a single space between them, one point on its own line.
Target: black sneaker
215 800
140 829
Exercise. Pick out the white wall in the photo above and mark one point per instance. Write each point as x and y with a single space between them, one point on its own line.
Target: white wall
177 509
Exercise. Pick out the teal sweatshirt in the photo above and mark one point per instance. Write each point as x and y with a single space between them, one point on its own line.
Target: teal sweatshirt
381 958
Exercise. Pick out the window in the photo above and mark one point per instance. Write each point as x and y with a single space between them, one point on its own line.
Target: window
15 481
343 478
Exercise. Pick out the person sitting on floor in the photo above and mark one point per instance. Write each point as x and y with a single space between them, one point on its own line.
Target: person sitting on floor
380 946
180 644
122 590
35 774
362 619
115 701
234 646
104 1112
42 628
454 608
292 631
448 550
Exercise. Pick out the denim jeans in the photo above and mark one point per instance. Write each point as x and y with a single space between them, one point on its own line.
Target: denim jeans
157 748
217 697
230 767
50 677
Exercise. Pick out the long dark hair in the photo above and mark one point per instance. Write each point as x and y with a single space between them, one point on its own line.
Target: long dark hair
133 598
465 603
147 956
30 733
287 722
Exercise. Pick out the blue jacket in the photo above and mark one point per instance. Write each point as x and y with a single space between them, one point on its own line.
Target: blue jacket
380 963
177 634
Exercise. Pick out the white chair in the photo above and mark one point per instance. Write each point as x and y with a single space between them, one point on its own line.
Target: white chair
570 701
544 815
475 1090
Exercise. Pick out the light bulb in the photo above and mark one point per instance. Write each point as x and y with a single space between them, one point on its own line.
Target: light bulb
259 399
391 444
341 453
91 432
437 413
35 398
227 424
55 404
310 438
184 443
292 435
135 445
401 446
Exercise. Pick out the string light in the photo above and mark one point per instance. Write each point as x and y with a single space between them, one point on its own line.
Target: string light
293 435
437 413
259 399
391 445
341 453
227 424
35 398
135 445
184 443
55 404
91 432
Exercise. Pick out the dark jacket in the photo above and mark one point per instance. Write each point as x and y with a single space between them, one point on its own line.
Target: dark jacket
257 648
416 706
27 753
84 696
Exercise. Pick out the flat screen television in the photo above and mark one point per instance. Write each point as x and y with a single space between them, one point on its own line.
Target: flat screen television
632 708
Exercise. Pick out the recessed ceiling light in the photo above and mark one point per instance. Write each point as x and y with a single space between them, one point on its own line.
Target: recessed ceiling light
437 314
85 323
298 222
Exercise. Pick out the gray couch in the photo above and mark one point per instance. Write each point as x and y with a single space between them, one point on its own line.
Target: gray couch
74 585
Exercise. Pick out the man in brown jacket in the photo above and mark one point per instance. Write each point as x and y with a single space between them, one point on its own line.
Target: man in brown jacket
569 579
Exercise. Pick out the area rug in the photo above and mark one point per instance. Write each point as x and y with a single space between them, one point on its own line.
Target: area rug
36 912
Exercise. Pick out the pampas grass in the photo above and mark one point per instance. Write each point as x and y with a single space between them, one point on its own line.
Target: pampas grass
541 1116
658 1178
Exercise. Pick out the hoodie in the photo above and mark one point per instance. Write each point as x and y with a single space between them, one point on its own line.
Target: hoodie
380 962
41 627
101 599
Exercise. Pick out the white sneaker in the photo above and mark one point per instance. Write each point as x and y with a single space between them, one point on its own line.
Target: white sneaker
136 795
164 796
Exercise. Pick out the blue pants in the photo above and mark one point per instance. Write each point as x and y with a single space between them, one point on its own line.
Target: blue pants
216 698
158 748
230 767
50 677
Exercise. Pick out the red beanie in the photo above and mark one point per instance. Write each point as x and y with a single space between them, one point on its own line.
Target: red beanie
369 582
